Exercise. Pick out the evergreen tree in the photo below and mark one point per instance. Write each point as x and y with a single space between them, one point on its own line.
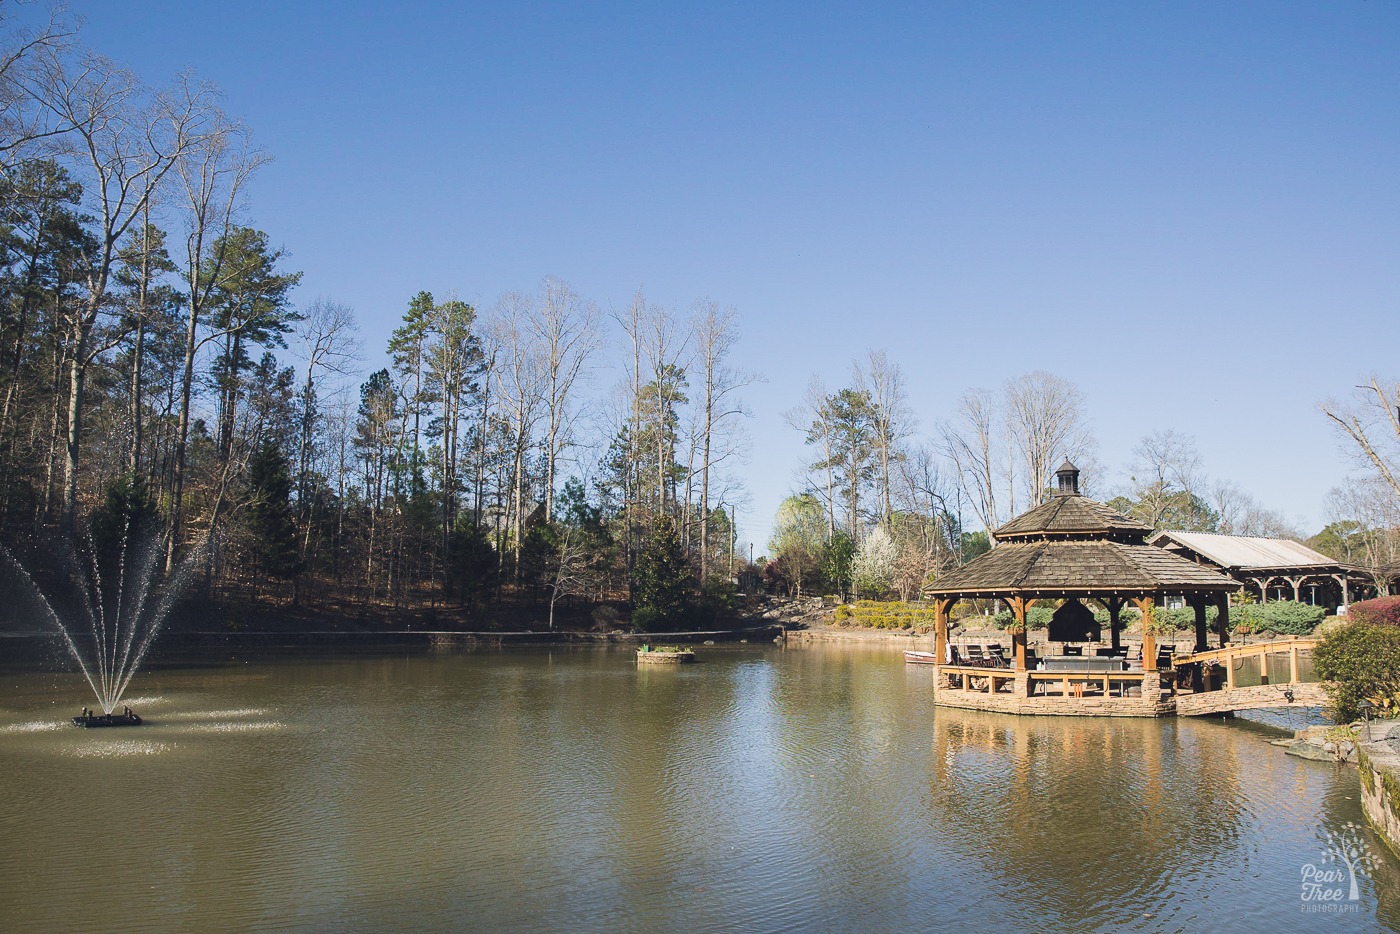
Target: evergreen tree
663 592
270 512
127 515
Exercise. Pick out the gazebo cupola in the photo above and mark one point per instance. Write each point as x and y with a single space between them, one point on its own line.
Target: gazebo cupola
1067 480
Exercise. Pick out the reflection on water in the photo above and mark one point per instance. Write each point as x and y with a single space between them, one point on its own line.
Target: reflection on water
762 790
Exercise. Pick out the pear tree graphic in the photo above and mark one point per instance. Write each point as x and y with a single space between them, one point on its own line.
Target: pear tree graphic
1346 847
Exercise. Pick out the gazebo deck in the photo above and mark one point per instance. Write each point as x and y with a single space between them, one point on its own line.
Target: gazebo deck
1131 693
1236 677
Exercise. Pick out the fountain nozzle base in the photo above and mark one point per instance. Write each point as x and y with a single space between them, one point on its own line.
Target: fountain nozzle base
91 719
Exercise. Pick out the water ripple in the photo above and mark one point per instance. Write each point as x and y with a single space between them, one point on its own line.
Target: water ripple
35 726
119 749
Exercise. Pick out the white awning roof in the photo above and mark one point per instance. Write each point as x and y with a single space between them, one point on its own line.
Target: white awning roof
1241 551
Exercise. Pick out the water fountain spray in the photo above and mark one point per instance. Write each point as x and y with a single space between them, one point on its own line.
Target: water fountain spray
107 625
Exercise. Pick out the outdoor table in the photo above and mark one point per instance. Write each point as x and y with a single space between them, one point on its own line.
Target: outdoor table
1092 664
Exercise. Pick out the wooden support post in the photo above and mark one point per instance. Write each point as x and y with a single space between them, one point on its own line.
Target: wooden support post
941 606
1222 618
1115 606
1297 583
1018 639
1198 603
1292 664
1149 639
1230 670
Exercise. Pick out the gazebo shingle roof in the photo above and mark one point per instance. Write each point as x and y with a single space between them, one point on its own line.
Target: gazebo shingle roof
1079 567
1071 515
1073 545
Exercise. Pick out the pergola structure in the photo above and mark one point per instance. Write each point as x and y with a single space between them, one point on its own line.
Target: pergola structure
1068 550
1268 564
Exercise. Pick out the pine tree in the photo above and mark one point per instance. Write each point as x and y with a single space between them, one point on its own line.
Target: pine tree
663 591
270 512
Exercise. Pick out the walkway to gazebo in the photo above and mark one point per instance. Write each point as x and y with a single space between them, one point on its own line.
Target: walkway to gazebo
1066 551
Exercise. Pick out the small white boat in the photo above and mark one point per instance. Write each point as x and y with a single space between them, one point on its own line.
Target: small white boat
920 658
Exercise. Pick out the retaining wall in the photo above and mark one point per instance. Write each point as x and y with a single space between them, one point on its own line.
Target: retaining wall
1305 694
1379 767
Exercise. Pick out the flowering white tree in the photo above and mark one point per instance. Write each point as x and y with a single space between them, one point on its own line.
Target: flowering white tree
874 566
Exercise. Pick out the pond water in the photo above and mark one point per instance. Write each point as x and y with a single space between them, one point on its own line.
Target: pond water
764 789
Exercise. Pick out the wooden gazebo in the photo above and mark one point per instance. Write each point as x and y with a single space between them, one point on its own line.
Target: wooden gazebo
1069 550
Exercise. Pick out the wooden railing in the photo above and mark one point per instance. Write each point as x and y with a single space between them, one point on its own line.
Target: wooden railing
984 680
1233 658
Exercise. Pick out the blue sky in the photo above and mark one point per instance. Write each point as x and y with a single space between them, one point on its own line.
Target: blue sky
1188 209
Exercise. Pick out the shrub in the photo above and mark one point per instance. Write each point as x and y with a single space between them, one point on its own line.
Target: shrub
605 616
875 614
1037 617
645 619
963 609
1362 662
1126 617
1382 611
1286 617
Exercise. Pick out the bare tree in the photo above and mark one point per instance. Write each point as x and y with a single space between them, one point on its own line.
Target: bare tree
569 569
923 527
1370 519
1165 476
127 139
1045 421
716 333
884 381
1238 513
25 118
328 345
1371 422
565 328
1229 503
213 176
971 443
631 323
520 381
810 416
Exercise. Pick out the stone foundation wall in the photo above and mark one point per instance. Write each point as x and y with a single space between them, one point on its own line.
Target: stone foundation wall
1379 767
1154 702
1305 694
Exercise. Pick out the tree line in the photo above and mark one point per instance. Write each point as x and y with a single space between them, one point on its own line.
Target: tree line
882 511
146 329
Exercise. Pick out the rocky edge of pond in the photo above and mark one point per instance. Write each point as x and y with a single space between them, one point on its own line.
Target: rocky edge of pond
1323 743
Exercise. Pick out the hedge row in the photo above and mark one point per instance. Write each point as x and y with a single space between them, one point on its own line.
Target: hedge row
875 614
1284 617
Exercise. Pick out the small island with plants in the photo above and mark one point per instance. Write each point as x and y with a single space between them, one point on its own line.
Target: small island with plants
665 655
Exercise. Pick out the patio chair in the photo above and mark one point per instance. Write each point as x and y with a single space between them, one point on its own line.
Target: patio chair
996 654
974 655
